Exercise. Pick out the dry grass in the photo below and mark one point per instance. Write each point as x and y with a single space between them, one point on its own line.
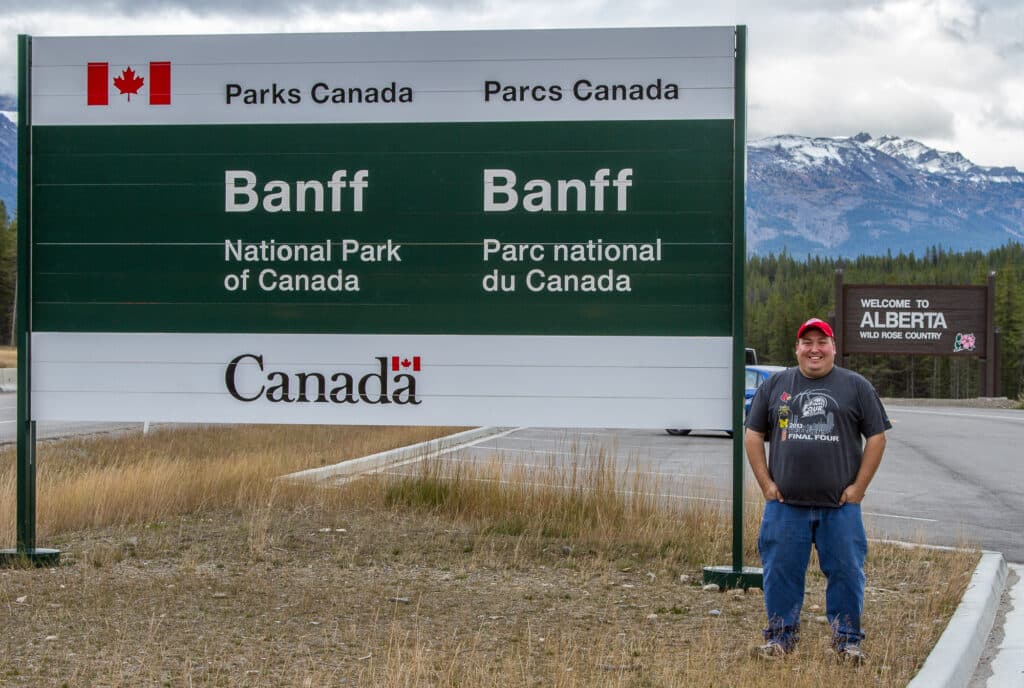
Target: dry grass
453 574
98 481
8 357
588 499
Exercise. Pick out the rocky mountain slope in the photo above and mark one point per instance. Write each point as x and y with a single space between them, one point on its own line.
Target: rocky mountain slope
865 196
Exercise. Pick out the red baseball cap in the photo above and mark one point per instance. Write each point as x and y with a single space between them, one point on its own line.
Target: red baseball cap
815 324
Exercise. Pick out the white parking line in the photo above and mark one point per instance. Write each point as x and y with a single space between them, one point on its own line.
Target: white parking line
906 518
542 466
511 450
1009 416
555 486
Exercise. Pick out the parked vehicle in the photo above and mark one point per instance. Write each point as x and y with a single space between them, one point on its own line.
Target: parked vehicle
755 375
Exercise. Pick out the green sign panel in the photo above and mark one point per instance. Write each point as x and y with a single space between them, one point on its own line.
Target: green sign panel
241 228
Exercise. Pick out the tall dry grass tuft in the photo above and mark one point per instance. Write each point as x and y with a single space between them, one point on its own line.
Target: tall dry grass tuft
99 481
907 571
591 499
8 357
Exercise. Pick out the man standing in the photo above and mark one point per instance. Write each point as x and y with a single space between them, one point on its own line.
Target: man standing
815 416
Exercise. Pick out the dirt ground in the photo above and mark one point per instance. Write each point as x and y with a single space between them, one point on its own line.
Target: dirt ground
329 594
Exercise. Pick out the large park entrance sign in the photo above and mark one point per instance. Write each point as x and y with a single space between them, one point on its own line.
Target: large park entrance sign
501 227
512 227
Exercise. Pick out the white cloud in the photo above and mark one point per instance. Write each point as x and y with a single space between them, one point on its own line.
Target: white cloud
941 71
946 72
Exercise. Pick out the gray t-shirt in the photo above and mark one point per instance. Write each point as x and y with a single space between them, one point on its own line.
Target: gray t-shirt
816 429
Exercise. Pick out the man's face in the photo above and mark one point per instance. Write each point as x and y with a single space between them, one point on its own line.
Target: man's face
815 353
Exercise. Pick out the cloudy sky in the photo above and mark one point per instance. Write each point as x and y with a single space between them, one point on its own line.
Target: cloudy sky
949 73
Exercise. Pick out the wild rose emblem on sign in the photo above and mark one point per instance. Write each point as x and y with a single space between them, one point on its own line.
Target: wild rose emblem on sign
964 342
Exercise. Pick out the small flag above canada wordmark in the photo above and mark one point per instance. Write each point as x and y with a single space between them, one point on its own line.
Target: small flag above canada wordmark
128 83
400 363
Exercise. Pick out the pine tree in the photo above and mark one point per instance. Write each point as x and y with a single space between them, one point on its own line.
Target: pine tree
782 292
8 272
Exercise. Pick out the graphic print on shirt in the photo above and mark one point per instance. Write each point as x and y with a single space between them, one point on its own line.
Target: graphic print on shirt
810 416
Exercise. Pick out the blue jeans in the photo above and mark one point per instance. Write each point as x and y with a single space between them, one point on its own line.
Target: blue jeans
784 543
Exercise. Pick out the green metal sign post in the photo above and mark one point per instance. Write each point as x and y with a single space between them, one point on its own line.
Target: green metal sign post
25 551
737 575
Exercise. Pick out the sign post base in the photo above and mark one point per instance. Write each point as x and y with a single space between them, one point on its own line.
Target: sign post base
727 577
38 557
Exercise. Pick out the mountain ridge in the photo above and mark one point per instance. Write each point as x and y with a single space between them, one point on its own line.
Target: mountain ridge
861 195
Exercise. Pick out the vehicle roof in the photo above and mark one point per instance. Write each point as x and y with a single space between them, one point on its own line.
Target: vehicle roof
770 369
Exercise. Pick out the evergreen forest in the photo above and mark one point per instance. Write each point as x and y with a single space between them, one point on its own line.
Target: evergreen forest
8 273
782 292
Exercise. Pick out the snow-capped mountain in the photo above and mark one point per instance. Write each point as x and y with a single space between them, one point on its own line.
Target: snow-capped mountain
931 161
865 196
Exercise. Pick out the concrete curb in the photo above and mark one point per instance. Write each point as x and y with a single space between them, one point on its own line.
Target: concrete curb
953 660
1008 664
392 457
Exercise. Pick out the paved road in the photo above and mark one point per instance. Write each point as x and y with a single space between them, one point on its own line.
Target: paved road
8 415
960 467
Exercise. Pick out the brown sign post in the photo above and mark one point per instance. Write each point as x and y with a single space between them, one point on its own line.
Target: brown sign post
917 319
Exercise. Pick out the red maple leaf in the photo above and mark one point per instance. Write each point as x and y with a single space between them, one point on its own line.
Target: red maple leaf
129 82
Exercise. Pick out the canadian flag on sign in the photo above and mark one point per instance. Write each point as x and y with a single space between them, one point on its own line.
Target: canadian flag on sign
400 363
128 82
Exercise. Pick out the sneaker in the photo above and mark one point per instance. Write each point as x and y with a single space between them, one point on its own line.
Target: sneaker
771 650
852 653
